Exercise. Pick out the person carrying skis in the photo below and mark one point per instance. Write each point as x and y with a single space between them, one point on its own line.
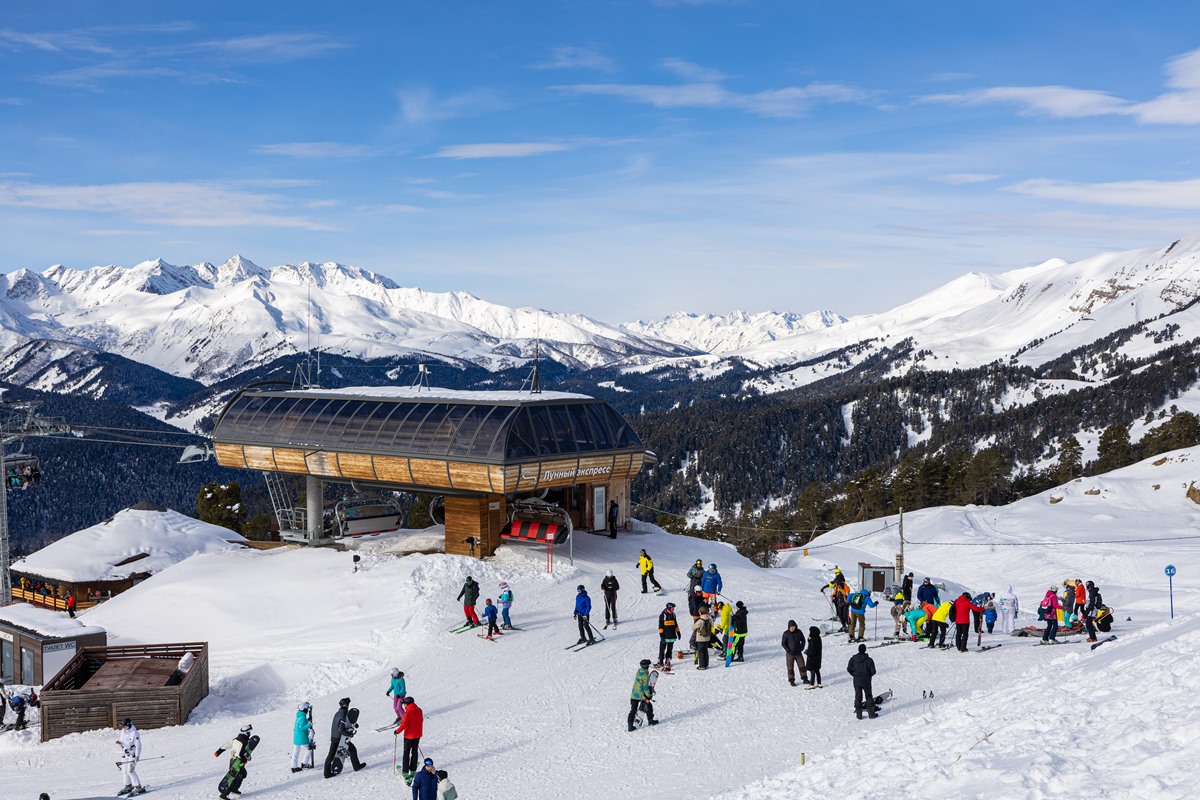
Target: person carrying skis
397 690
710 584
610 586
963 608
840 599
1007 606
646 565
469 594
862 668
859 602
1048 611
739 631
928 593
490 613
583 615
1094 602
641 695
668 634
302 735
130 742
694 574
239 756
793 652
613 514
704 635
341 726
425 782
506 601
813 656
411 728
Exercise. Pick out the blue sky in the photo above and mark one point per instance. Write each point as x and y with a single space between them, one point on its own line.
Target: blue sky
619 159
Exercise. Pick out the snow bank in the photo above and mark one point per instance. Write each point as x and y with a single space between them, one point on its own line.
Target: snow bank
43 621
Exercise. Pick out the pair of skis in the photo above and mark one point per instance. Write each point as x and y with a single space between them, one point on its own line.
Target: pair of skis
466 627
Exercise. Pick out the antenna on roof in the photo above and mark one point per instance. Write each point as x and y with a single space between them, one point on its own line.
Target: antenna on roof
305 376
422 379
534 380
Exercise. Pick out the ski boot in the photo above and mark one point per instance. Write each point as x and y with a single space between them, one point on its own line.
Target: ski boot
128 788
137 790
632 728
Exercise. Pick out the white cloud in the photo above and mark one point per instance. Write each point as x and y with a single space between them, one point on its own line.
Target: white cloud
1178 195
568 57
965 178
402 208
420 106
499 150
315 150
792 101
267 48
1054 101
692 72
187 204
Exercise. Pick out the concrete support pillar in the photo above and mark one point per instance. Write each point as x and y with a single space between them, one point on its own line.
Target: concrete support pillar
314 490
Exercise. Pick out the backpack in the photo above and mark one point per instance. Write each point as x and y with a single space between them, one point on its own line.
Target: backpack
1044 613
857 600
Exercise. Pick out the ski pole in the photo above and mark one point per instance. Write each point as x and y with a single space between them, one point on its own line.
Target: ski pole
598 633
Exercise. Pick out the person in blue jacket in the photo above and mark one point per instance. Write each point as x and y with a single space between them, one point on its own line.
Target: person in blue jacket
490 612
710 583
302 738
928 593
583 614
425 782
980 600
860 601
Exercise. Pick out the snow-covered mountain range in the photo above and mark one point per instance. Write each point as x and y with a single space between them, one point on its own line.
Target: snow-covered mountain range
710 333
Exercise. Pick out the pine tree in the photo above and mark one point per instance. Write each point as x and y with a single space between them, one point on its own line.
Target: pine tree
221 504
1070 460
1115 450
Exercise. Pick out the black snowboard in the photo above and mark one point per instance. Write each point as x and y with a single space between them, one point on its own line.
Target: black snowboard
335 765
236 767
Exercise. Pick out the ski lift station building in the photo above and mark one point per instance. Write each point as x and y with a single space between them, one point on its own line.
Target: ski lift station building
479 450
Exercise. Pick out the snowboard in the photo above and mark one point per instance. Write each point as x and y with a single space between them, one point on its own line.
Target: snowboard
640 719
734 638
336 763
883 698
1102 641
236 766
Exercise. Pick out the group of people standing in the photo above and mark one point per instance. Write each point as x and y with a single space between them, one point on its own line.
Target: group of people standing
1081 601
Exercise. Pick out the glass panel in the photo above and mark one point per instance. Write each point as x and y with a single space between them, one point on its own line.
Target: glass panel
428 436
369 425
579 424
464 429
521 441
601 436
543 431
233 424
385 441
321 422
498 425
564 437
298 417
622 433
27 667
6 663
345 425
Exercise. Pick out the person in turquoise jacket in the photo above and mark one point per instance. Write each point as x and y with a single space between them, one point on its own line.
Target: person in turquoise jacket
302 740
642 694
916 622
506 601
397 691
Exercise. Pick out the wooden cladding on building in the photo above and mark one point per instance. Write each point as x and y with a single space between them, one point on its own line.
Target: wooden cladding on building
433 473
478 518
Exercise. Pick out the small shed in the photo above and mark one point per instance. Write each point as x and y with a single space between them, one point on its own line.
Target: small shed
876 578
35 643
155 685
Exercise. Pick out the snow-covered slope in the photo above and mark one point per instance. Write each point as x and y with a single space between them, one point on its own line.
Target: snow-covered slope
206 322
734 331
520 717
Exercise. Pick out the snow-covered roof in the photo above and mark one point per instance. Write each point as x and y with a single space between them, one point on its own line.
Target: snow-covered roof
44 622
459 395
131 542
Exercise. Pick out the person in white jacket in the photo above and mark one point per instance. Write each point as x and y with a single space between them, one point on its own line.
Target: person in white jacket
131 748
445 790
1006 604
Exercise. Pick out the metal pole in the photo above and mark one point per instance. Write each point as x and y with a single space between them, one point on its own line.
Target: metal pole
6 581
1170 578
900 566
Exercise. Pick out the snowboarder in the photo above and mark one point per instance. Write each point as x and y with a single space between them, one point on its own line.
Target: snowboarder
490 612
840 599
610 586
397 691
710 584
240 748
130 742
1048 611
446 790
859 602
1094 602
302 737
862 668
704 635
506 601
425 782
694 574
583 615
738 632
613 513
1006 604
411 728
342 728
793 652
668 634
964 607
813 656
469 594
639 699
646 565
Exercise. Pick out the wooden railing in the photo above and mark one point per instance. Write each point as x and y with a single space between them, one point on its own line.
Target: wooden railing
49 600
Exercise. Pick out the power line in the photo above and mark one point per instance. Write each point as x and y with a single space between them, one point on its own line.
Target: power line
1056 544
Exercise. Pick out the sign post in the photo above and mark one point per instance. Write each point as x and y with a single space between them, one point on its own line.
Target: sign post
1170 570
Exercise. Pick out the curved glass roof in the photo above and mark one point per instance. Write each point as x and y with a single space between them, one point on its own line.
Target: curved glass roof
445 426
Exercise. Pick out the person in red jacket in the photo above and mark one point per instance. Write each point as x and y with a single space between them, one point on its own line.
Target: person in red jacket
411 727
962 620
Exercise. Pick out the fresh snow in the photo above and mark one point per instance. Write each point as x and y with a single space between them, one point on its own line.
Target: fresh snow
53 624
734 331
463 395
521 717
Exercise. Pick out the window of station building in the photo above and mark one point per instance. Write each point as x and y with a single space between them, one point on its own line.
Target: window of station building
344 425
584 441
521 442
6 661
623 435
424 436
27 667
281 422
322 413
601 436
369 425
388 430
237 418
471 422
560 426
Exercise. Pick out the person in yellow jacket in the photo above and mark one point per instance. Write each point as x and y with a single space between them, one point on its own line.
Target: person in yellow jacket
721 626
939 625
646 565
840 599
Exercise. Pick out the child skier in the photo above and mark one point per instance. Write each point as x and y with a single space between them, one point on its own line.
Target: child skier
490 613
506 601
397 690
469 594
302 736
130 742
989 615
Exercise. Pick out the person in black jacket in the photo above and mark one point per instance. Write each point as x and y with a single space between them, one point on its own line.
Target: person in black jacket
668 634
906 587
862 668
614 514
339 728
814 656
610 587
793 652
740 629
469 596
1089 612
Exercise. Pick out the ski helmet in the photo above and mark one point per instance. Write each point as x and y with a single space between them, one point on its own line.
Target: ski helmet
580 588
712 566
429 762
503 585
645 662
609 573
408 701
246 728
670 605
125 723
1090 585
304 707
395 672
699 562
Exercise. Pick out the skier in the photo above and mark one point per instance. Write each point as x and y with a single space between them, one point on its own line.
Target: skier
739 631
938 625
446 790
814 656
917 620
899 608
694 574
130 742
71 605
646 565
1006 604
1081 596
1094 602
302 735
239 747
1068 601
341 726
425 782
490 612
613 514
722 623
862 668
793 650
411 728
469 594
506 601
928 593
583 614
668 634
610 586
710 583
397 690
841 594
1048 611
704 634
641 695
963 609
859 602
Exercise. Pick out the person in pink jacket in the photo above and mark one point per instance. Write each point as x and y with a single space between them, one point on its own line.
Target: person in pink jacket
1052 605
